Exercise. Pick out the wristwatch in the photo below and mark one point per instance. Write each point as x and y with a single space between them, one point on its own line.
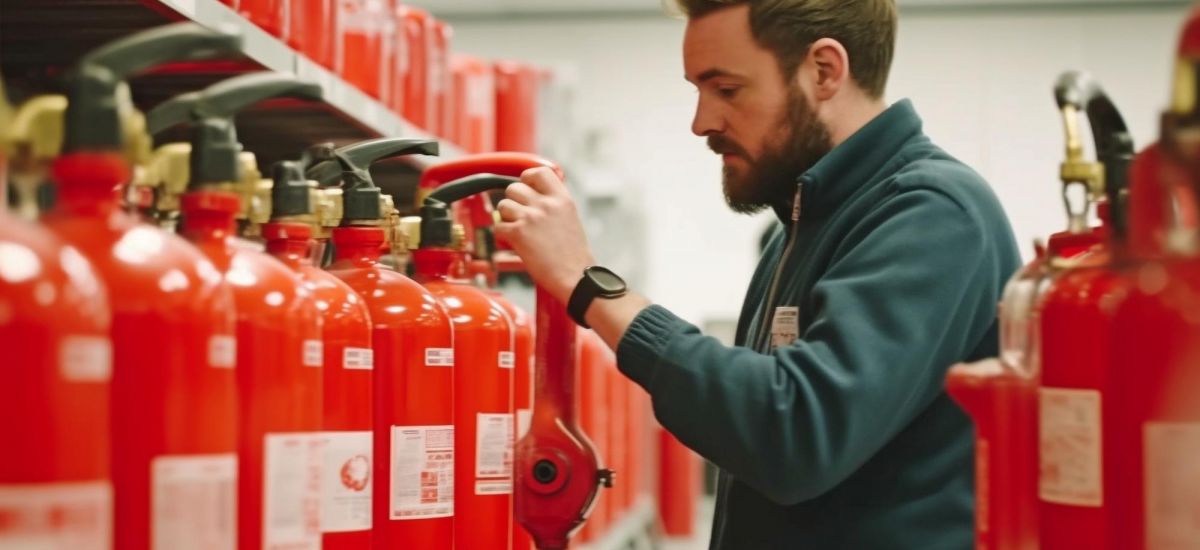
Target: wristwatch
597 282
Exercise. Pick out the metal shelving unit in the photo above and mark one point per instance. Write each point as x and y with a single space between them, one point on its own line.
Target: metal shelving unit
39 40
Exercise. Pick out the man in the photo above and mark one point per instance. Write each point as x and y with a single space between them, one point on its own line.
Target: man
828 420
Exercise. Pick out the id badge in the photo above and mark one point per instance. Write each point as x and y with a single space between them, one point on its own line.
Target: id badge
785 326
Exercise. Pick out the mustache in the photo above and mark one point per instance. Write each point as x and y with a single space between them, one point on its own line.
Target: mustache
722 145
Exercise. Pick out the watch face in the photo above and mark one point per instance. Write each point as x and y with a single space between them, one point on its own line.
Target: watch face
608 281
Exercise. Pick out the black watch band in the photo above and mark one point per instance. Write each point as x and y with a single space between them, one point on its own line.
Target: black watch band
597 282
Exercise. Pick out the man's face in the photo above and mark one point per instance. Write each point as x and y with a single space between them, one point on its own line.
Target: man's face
760 123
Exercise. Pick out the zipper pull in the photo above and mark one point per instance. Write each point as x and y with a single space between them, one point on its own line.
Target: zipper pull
797 203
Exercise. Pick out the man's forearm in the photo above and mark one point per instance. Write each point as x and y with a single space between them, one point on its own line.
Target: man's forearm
611 318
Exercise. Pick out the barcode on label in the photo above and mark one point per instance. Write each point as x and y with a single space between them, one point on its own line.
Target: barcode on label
508 360
222 351
358 358
85 359
314 353
493 487
439 357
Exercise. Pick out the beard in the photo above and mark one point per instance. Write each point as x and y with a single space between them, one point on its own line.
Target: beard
799 141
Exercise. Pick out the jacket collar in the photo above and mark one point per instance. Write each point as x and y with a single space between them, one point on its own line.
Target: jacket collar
848 166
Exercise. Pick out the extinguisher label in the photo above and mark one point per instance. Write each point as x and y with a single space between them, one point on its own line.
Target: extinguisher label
194 502
346 482
493 487
56 516
292 491
314 353
439 357
85 359
1172 485
358 358
493 450
1070 447
508 360
422 472
222 351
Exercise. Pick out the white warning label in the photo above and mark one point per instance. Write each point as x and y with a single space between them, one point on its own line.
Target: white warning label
422 472
222 351
358 358
1070 447
194 502
314 353
292 491
1172 481
346 482
439 357
85 359
493 449
507 360
56 516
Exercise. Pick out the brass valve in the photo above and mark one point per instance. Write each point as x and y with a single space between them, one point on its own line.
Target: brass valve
1076 170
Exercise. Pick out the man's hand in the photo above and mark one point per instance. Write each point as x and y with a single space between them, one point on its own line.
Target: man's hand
539 219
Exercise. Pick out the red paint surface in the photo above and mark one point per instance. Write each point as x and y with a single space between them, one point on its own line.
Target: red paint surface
168 303
482 331
406 320
276 315
345 323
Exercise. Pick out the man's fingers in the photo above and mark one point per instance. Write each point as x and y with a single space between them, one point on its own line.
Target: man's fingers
544 181
511 211
521 193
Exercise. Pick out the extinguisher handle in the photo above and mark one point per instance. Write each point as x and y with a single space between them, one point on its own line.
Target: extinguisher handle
1079 90
225 98
93 120
465 187
356 159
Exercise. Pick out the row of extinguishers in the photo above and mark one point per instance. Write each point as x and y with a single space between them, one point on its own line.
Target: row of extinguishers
1088 424
401 56
194 391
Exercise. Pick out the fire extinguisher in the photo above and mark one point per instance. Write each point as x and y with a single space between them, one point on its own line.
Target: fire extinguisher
172 330
517 87
55 401
557 471
279 349
312 30
1001 394
473 108
417 29
484 358
412 340
1151 421
346 491
1076 320
365 32
485 274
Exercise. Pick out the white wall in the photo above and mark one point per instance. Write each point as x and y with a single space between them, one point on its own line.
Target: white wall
981 80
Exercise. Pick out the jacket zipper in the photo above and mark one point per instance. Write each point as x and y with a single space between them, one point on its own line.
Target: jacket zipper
764 328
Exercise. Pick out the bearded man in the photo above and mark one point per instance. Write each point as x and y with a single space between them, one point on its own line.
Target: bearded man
828 419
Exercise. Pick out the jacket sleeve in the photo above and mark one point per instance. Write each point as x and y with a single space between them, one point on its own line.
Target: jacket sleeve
903 299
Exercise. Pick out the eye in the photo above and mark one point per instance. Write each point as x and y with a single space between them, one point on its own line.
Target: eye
727 92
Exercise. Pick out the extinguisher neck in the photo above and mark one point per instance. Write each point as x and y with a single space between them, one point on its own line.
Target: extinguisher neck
435 264
362 245
289 242
90 182
209 215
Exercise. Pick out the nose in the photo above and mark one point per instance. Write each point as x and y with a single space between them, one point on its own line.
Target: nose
707 119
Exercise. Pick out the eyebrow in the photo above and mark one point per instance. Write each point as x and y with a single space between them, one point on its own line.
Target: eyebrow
709 75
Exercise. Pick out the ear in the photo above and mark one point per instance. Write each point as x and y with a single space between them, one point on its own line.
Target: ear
831 65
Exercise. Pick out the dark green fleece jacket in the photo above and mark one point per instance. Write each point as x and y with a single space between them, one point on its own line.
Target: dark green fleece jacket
844 438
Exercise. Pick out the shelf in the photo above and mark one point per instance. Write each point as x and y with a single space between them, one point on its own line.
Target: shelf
40 39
